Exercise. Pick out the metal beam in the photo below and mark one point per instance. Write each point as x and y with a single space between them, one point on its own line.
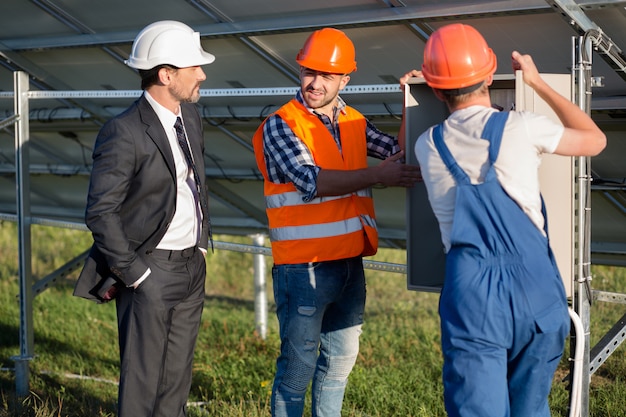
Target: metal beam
255 45
27 342
353 18
66 18
302 23
236 202
42 78
573 13
52 278
607 345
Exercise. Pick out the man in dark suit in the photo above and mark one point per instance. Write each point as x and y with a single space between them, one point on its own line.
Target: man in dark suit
148 215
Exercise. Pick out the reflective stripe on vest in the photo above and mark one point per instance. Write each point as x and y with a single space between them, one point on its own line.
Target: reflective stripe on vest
316 231
328 227
294 198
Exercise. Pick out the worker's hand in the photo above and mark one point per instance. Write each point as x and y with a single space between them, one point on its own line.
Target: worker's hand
529 70
394 173
110 294
405 78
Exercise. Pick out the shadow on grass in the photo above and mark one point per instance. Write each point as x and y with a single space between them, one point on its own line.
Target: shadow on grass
57 392
9 341
53 396
230 301
52 393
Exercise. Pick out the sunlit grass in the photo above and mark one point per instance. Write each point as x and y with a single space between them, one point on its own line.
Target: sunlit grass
75 368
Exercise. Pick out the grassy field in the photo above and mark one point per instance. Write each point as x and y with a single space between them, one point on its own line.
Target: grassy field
75 368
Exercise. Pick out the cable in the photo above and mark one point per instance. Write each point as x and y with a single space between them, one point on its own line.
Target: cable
224 174
391 113
209 120
577 375
232 113
265 111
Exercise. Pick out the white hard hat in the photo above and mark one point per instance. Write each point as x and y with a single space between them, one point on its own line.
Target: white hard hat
167 42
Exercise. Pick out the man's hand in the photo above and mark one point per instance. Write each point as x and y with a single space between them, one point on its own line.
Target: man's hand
110 294
393 172
405 78
529 70
582 137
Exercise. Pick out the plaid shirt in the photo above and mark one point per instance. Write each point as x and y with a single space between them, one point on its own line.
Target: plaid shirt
289 160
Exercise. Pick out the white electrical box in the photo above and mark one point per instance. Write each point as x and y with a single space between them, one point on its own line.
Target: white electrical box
425 254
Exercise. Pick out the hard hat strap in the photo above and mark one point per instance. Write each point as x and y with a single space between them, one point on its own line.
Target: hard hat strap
461 91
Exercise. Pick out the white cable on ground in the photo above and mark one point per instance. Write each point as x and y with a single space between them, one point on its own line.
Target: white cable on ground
577 375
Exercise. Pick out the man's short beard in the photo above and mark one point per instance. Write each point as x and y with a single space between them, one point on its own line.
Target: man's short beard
193 98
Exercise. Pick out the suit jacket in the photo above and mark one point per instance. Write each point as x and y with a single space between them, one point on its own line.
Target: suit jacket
132 193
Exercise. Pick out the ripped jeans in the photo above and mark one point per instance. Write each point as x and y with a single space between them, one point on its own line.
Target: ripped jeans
320 313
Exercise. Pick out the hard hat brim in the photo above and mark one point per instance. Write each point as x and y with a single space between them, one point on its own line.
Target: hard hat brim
168 43
205 59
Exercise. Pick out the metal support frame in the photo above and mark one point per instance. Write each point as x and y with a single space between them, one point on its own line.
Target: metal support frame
583 296
581 70
593 39
52 278
260 289
209 92
28 289
607 345
572 12
24 239
581 302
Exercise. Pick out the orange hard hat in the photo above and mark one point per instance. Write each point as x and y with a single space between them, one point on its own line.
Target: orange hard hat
457 56
328 50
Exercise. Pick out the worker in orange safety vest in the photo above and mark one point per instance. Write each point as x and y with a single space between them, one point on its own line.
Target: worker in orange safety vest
313 153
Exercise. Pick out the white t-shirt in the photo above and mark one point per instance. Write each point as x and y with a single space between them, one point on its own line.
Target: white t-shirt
526 136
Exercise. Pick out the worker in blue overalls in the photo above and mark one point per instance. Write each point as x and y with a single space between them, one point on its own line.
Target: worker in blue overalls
503 307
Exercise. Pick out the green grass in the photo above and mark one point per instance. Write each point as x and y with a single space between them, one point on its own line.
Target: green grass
75 368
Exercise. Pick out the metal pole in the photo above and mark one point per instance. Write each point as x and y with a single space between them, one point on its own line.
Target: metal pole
260 292
24 239
582 295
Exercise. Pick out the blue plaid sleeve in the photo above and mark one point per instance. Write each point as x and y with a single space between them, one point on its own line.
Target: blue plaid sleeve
288 159
379 144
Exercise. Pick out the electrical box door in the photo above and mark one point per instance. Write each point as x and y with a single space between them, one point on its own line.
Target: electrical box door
425 254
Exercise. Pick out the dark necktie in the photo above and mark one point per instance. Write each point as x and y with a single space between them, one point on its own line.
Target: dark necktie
182 141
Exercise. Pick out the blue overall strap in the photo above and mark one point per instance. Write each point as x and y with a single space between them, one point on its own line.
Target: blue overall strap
497 121
492 132
459 175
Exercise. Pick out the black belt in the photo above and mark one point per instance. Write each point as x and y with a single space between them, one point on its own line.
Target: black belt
173 254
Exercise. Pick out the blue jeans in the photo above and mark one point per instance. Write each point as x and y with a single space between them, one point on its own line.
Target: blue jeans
320 313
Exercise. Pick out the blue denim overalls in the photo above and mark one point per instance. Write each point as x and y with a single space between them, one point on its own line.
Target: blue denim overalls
503 307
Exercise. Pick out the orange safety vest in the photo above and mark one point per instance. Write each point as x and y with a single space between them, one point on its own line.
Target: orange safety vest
325 228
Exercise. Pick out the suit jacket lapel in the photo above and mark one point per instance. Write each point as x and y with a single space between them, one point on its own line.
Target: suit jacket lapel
154 129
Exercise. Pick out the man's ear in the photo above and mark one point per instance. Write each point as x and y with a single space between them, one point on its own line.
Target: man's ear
164 76
344 81
439 94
